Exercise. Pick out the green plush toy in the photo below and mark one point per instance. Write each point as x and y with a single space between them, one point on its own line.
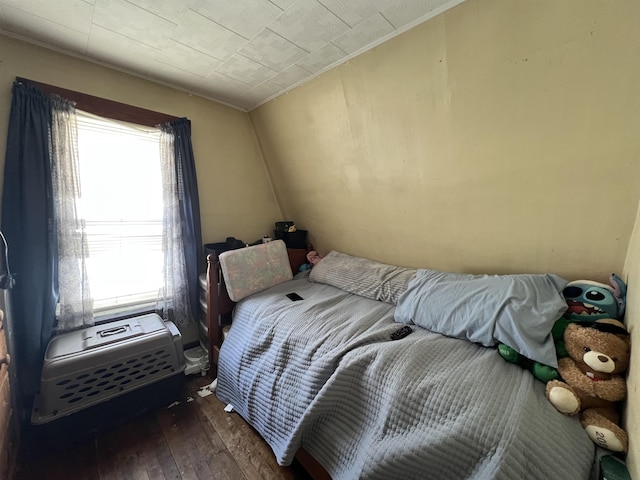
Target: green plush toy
586 301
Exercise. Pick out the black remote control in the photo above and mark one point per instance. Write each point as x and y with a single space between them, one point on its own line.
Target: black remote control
401 332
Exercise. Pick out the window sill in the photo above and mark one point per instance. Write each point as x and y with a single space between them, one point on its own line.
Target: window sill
120 313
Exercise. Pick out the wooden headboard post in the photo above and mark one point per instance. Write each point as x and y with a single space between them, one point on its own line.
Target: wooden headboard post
219 307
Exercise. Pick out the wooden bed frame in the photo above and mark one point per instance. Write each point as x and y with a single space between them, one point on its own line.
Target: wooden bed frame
219 311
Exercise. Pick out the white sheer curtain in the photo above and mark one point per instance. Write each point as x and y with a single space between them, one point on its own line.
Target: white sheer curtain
75 303
173 299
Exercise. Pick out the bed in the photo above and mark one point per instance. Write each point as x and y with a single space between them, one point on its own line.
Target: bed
321 379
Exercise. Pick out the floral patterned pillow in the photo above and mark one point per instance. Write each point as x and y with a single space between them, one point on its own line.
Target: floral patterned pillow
253 269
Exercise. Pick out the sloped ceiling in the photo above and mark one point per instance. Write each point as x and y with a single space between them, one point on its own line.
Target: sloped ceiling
239 52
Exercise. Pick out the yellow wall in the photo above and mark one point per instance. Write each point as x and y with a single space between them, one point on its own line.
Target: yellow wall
236 198
501 136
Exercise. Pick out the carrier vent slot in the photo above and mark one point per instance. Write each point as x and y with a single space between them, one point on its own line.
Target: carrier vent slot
121 375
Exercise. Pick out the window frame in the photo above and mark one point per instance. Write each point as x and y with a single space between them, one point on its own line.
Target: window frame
111 109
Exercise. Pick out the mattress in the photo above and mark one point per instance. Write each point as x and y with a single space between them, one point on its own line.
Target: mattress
324 374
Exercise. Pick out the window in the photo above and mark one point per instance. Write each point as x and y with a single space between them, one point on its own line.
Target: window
122 204
173 293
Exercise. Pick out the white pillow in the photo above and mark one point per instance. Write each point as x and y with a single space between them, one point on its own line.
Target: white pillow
361 276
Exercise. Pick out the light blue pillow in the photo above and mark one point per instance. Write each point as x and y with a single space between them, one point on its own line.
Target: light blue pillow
517 310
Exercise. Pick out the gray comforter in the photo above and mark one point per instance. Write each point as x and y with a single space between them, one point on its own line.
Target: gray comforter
322 373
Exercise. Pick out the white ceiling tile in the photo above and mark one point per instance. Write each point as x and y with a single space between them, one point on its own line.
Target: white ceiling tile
407 11
355 11
225 86
197 31
169 10
206 92
290 76
261 92
175 76
272 50
364 33
39 29
132 21
186 58
246 70
120 51
322 58
73 14
245 105
239 51
246 17
308 24
283 4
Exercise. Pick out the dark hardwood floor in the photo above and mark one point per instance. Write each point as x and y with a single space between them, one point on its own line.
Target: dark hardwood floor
195 439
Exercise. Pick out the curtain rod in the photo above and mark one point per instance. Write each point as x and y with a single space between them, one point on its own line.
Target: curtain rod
103 106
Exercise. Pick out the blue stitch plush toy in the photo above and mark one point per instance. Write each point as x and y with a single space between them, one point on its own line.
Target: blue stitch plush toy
587 301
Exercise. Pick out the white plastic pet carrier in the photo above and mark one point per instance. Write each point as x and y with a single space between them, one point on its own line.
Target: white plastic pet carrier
89 366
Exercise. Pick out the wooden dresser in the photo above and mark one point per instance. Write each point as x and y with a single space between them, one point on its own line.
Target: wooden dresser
7 448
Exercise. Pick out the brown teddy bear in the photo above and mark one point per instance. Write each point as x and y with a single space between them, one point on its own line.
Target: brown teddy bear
593 377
